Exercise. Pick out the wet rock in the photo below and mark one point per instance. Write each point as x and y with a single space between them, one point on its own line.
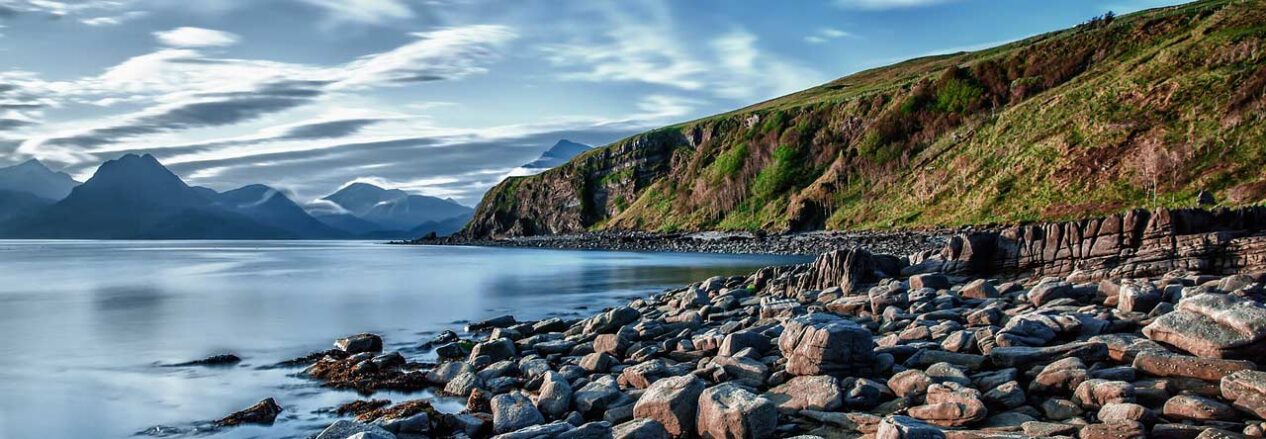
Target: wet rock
1215 326
820 393
496 350
823 344
729 411
263 412
543 431
514 411
364 342
904 427
214 360
504 321
673 403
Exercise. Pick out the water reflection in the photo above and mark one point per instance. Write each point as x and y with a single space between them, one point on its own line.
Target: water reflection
86 322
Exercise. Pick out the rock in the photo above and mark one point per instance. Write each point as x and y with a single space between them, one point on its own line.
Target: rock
641 375
1059 409
1215 326
1049 290
951 405
263 412
450 351
1166 364
1114 430
513 411
592 430
1008 395
1017 356
1093 394
933 281
1047 429
611 321
596 397
495 322
1138 297
554 400
597 362
612 344
364 342
462 384
1197 408
214 360
823 344
738 341
496 350
978 289
904 427
1126 412
1247 391
911 382
543 431
729 411
371 435
344 429
640 429
446 372
819 392
847 269
752 372
673 403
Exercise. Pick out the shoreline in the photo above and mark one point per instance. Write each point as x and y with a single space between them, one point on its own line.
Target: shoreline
792 244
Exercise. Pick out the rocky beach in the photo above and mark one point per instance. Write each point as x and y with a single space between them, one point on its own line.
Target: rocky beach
1144 324
804 243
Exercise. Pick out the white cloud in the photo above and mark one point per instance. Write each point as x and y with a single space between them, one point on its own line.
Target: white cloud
365 11
826 34
430 57
641 42
196 37
885 4
113 20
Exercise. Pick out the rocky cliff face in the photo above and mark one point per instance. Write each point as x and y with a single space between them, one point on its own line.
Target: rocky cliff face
1145 109
1138 243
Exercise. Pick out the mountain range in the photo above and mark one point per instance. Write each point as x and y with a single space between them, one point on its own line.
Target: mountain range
1149 109
136 197
559 154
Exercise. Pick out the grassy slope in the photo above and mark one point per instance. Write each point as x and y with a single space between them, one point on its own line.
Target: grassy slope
1145 110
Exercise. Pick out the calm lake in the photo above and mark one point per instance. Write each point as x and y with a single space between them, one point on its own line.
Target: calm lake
87 324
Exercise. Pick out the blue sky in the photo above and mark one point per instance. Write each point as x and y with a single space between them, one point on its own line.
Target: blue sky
440 97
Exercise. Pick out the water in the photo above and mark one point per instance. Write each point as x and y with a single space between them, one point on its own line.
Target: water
86 324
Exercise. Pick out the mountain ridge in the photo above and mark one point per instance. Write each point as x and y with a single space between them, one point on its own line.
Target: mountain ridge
33 177
1146 109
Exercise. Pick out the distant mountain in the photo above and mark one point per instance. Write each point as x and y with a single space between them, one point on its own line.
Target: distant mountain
272 208
560 153
377 212
135 197
14 204
34 178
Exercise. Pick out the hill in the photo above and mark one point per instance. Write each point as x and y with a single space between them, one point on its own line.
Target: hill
1143 110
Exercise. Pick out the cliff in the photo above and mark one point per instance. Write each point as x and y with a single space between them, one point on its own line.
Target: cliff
1143 110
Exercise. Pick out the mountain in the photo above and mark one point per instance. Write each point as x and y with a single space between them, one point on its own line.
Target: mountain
15 204
388 209
36 179
1147 109
269 207
556 155
135 197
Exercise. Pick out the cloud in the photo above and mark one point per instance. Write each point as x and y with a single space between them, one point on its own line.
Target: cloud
826 34
196 37
364 11
186 89
640 42
876 5
114 20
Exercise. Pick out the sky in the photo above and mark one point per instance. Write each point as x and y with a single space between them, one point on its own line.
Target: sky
437 97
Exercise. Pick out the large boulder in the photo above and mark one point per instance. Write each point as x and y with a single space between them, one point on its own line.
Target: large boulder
730 411
673 403
819 392
1214 325
514 411
263 412
824 344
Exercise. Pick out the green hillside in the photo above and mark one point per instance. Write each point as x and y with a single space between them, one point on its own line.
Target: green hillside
1140 110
